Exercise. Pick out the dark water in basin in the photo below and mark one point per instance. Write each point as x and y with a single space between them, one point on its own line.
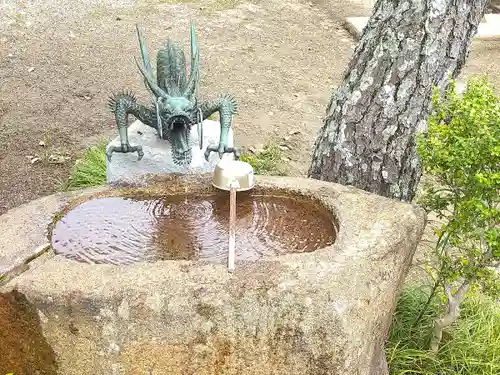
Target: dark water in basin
118 230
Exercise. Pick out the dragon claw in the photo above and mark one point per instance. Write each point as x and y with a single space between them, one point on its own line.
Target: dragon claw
140 153
108 155
236 154
110 150
221 150
125 148
208 151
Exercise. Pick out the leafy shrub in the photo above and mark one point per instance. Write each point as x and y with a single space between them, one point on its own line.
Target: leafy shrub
461 151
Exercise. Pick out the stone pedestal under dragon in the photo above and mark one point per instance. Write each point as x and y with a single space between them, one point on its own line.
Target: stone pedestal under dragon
175 107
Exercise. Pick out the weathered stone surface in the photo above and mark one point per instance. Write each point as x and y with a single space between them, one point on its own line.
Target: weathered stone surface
23 349
355 25
24 229
325 312
490 28
158 153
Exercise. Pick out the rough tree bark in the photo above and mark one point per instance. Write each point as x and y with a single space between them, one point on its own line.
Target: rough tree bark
408 46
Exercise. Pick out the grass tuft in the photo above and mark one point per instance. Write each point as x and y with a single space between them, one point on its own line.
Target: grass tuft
470 347
269 161
90 170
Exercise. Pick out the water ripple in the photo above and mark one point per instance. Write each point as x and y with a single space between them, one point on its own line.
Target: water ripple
123 231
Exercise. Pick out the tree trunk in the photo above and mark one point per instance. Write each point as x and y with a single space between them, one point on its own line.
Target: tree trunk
408 46
454 300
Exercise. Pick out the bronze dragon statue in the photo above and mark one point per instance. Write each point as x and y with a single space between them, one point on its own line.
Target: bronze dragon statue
175 107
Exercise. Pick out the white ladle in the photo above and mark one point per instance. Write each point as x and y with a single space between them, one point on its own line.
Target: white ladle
233 176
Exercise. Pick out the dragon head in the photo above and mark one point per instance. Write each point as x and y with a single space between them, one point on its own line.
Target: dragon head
175 96
178 115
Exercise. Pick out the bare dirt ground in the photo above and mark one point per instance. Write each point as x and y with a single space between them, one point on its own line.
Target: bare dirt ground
60 60
59 63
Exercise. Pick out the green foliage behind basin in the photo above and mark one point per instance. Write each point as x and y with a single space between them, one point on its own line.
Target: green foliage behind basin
460 151
267 162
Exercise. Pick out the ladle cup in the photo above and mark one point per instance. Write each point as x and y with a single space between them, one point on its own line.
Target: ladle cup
233 176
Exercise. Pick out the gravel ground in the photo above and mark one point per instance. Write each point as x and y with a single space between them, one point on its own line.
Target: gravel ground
59 63
60 60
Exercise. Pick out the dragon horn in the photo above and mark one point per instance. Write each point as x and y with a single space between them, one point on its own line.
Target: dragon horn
195 65
150 83
144 55
147 71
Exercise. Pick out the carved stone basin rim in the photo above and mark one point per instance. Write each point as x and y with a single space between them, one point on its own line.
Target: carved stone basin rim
327 311
292 215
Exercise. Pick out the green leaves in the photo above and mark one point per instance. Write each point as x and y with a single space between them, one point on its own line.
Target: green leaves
268 161
461 151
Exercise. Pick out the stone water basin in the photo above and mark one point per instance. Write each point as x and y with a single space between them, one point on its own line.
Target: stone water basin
120 230
318 271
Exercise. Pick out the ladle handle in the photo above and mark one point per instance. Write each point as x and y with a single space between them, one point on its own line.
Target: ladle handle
232 226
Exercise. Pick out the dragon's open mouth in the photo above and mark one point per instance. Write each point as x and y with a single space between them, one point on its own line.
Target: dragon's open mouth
179 123
179 129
